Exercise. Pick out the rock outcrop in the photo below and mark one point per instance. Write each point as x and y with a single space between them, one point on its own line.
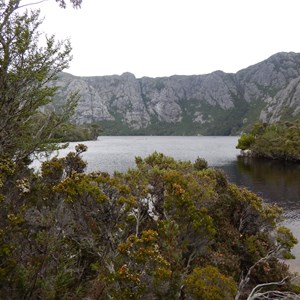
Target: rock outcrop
216 103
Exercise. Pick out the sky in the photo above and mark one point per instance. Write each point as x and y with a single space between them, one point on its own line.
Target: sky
157 38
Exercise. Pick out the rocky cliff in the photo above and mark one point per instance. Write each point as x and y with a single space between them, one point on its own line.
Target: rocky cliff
213 104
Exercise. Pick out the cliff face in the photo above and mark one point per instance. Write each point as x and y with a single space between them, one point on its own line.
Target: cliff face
216 103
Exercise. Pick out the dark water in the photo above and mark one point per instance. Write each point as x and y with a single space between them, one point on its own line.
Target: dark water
274 181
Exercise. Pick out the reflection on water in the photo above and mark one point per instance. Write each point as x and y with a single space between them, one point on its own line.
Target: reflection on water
276 182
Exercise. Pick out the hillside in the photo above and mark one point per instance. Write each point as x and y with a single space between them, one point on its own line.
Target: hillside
213 104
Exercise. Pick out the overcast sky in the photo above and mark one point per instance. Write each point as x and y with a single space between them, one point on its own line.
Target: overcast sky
165 37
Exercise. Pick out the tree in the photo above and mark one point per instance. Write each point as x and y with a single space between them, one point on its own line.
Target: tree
27 72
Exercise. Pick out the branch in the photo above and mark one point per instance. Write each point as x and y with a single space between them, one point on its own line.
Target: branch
276 295
191 258
244 281
282 282
32 3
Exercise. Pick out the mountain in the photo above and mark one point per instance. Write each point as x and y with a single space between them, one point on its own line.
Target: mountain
213 104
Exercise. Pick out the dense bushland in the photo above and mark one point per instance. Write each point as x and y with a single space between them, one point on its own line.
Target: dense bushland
276 141
164 230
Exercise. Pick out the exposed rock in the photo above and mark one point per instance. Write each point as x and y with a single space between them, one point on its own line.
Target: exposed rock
216 103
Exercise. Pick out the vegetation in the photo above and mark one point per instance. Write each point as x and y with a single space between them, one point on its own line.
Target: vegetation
165 230
26 71
276 141
70 132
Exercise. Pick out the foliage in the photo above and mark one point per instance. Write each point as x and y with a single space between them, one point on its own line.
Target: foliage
69 132
200 164
208 283
75 3
164 230
245 141
276 141
27 72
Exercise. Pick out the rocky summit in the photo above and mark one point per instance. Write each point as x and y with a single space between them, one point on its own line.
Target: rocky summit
213 104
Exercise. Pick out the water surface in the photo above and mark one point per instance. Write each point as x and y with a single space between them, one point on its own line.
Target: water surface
118 153
276 182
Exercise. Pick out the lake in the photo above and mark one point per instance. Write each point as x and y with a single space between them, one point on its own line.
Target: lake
276 182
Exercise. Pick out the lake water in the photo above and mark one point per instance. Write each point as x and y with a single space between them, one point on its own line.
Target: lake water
274 181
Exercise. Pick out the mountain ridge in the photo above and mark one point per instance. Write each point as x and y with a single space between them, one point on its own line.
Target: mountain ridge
217 103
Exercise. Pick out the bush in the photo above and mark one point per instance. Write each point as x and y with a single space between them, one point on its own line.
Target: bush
200 164
209 284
